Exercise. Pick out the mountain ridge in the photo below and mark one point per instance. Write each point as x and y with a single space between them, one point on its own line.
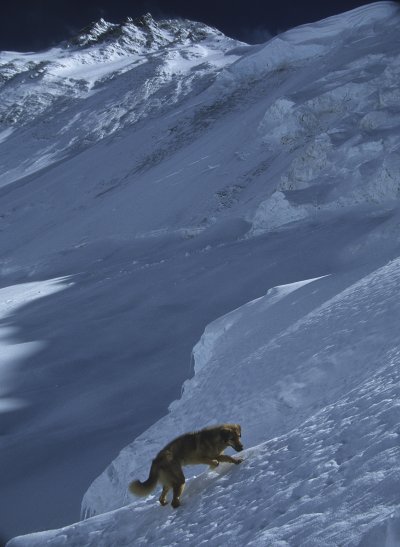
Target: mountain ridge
143 31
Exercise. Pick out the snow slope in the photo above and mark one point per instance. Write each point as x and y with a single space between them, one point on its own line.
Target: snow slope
186 178
330 474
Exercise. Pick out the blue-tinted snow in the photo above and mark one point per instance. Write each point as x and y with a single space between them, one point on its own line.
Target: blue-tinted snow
176 187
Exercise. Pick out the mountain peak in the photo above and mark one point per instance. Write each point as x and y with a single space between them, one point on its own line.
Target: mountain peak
143 31
97 31
143 21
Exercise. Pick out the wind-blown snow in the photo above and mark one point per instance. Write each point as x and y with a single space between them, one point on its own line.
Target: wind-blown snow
193 184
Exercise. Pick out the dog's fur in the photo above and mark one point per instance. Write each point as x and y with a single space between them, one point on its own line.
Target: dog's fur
200 447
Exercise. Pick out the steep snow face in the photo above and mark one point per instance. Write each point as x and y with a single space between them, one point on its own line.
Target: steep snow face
187 177
271 364
324 384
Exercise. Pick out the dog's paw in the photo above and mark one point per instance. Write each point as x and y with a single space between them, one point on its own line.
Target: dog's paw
214 463
175 503
238 460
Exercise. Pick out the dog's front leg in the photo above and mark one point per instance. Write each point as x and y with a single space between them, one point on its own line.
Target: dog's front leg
212 462
229 459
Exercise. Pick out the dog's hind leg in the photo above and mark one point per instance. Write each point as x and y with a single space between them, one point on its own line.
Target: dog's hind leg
178 485
177 489
163 497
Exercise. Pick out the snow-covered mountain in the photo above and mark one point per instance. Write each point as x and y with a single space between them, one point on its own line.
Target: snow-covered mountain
168 192
58 102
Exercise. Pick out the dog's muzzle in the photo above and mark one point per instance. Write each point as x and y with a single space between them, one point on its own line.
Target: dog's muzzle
238 447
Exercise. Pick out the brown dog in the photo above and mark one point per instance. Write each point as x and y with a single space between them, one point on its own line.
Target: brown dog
200 447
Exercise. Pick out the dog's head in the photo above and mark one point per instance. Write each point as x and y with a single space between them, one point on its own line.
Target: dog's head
231 434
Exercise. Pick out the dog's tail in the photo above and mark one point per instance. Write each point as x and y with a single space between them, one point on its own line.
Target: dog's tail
144 488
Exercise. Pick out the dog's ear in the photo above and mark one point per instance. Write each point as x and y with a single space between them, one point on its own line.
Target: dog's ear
226 434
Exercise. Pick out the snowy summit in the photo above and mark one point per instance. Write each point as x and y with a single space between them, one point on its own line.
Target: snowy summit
196 231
